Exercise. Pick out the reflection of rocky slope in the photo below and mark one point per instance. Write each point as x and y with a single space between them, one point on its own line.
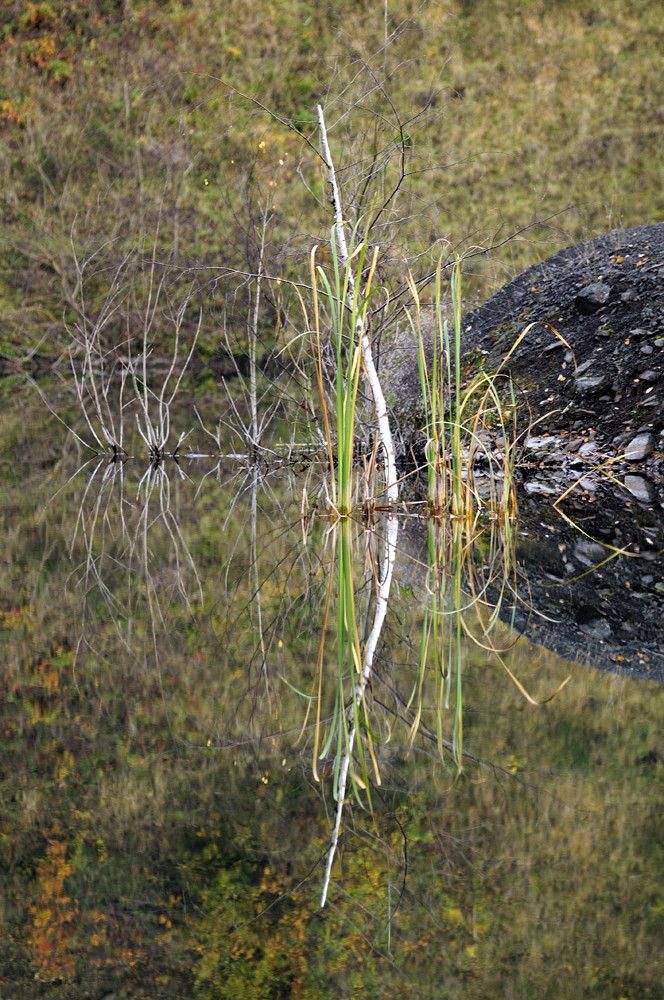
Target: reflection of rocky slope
582 599
600 426
590 585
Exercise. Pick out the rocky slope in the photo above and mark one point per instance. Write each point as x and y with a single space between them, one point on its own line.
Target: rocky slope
606 299
595 577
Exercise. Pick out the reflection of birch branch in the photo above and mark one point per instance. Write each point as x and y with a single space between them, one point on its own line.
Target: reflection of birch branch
389 554
391 490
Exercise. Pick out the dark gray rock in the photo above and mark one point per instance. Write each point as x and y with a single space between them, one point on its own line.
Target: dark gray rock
592 298
640 447
625 261
641 488
590 383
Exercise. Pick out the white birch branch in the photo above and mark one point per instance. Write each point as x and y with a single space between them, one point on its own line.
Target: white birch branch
384 429
392 494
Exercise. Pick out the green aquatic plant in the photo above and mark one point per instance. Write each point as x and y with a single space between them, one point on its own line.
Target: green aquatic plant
464 419
347 294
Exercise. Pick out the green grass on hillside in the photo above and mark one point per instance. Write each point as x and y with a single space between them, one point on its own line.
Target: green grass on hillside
123 130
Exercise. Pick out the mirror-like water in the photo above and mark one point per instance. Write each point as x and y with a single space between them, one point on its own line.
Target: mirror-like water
163 831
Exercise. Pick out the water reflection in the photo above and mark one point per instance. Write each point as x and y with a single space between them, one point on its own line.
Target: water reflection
594 579
163 832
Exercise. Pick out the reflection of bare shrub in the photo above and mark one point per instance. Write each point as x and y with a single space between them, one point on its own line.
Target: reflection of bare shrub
135 560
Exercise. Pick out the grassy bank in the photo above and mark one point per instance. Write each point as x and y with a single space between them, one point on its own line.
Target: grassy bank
125 138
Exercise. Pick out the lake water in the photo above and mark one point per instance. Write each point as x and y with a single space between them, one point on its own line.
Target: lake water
164 833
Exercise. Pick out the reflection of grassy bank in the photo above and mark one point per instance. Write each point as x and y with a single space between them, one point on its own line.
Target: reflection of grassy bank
575 875
138 858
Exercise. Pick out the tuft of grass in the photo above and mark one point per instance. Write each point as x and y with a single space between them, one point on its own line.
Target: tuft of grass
344 302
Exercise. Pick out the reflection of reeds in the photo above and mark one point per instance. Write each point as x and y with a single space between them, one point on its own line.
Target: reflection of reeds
465 559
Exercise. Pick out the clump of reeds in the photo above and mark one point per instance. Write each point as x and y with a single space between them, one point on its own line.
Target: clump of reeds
464 419
469 428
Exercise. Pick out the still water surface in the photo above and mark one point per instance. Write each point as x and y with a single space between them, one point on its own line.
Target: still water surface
163 834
